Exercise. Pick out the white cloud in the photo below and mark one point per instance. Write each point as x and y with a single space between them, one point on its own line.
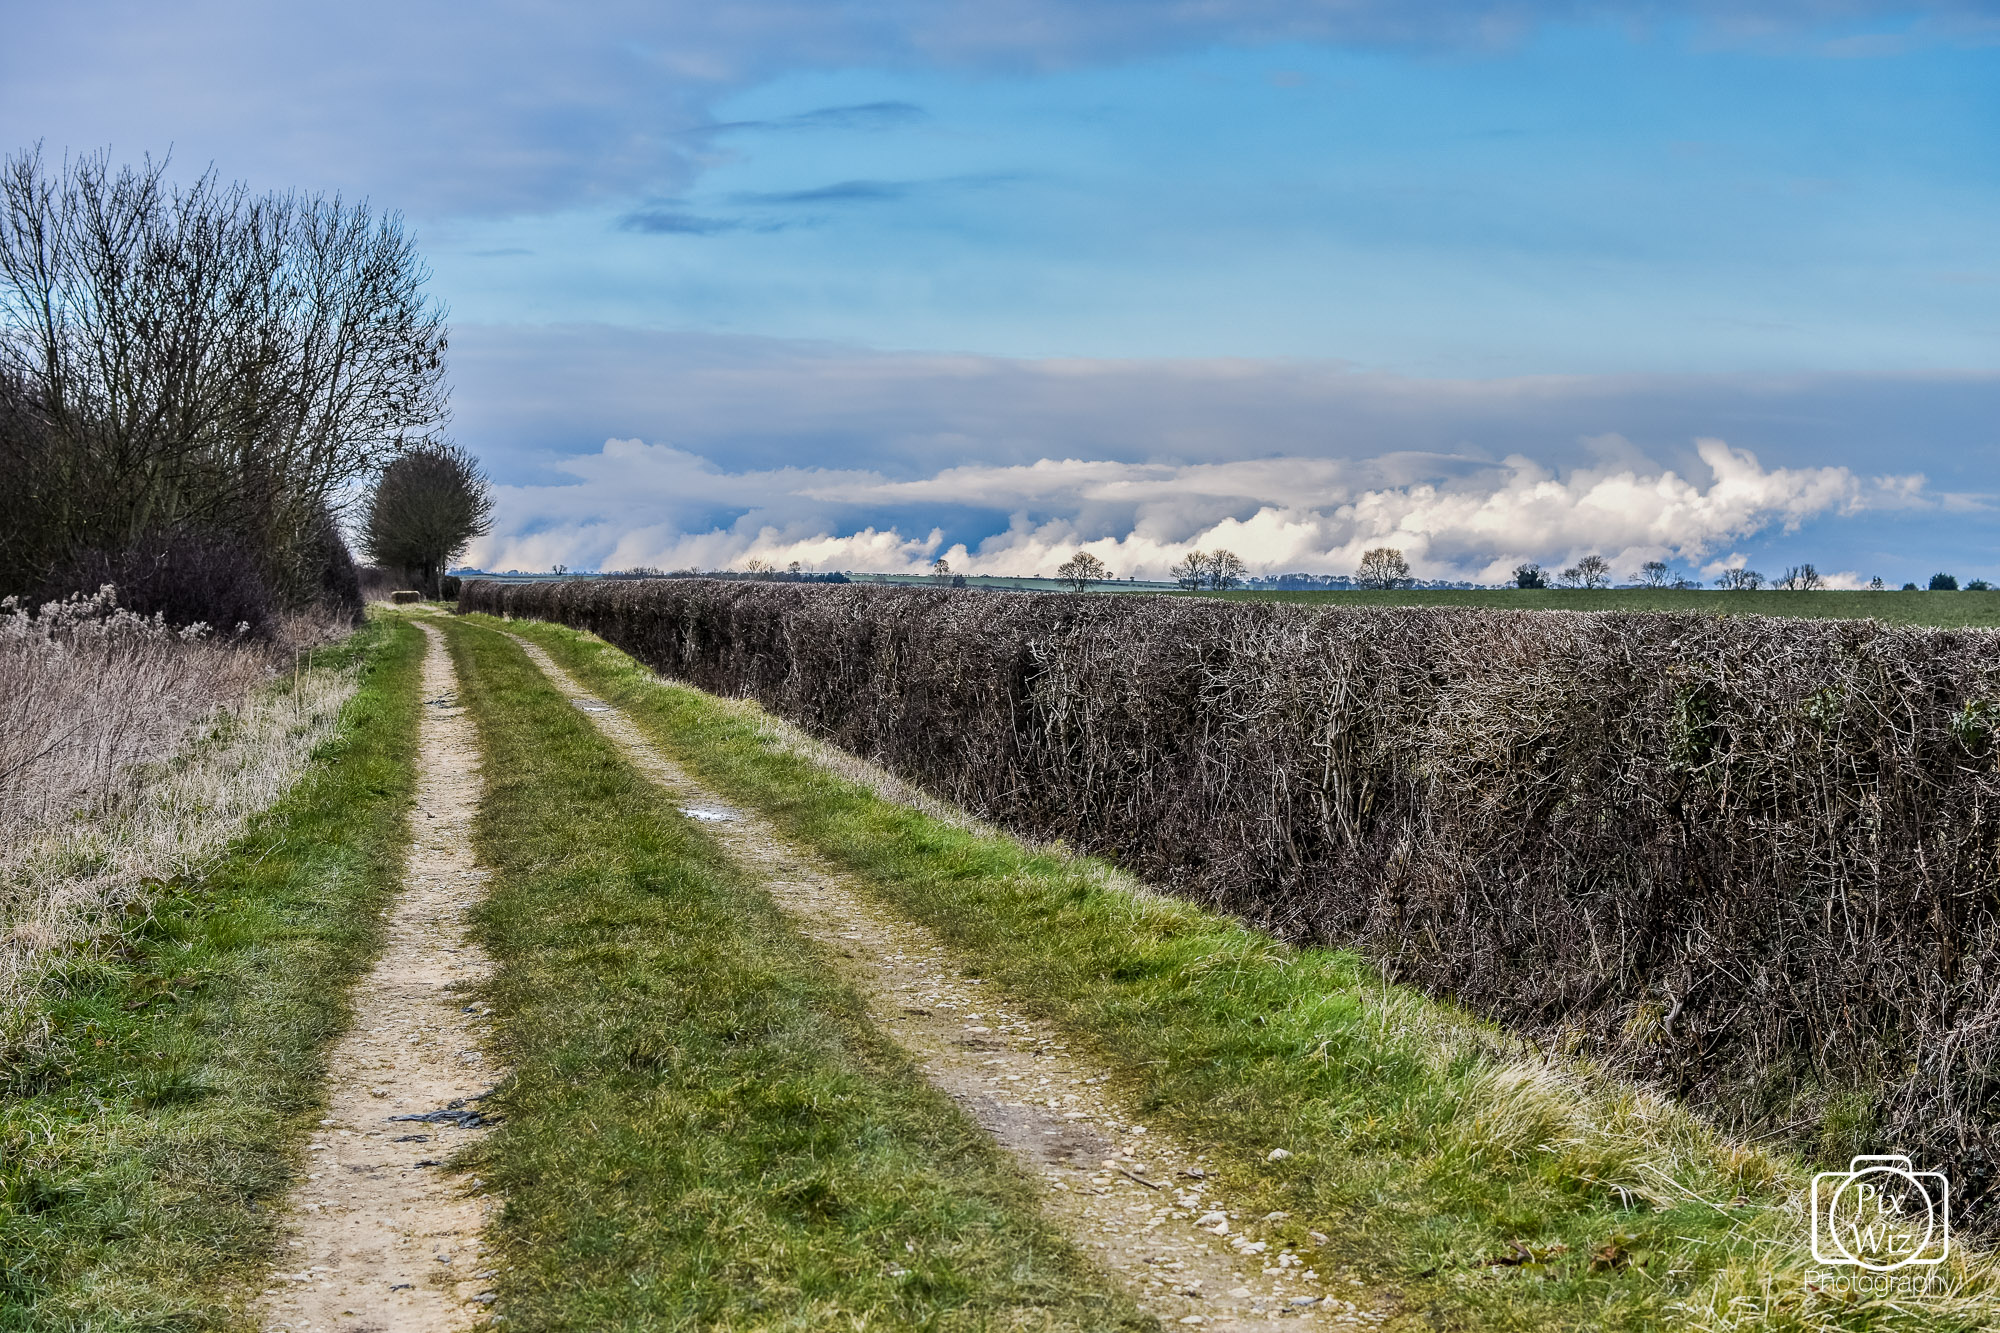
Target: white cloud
1454 517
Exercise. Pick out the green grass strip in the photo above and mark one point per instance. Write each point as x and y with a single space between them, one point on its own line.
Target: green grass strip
703 1130
1419 1141
145 1152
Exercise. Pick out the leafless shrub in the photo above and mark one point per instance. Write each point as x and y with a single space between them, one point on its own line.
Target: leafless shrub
1753 860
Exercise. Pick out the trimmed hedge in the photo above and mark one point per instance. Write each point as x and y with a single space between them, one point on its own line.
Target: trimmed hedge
1752 859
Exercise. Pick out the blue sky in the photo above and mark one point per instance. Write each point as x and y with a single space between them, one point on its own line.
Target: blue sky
860 285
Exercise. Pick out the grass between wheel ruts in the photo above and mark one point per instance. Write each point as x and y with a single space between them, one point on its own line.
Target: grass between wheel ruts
1486 1189
702 1129
149 1132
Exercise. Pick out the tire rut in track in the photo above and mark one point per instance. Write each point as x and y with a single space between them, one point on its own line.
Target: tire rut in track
380 1238
1132 1197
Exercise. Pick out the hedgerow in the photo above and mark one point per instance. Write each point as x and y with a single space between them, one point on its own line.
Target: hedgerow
1752 860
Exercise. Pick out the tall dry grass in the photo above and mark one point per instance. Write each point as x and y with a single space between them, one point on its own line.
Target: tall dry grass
130 752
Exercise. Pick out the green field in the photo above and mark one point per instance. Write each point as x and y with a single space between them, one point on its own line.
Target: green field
1952 610
1949 610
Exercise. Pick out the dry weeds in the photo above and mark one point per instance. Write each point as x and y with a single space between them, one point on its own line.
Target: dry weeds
129 754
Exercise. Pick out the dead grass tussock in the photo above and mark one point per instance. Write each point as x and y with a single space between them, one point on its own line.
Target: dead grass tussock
94 693
146 752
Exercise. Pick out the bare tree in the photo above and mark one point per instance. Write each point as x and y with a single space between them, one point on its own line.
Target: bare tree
1191 571
202 360
1081 570
1739 580
1802 578
1225 570
1382 568
1593 571
1653 574
941 570
425 509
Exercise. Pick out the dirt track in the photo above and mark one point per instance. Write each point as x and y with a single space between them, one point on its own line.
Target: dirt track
381 1237
1134 1198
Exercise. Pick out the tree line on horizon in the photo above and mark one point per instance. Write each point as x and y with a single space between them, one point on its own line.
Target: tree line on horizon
1384 568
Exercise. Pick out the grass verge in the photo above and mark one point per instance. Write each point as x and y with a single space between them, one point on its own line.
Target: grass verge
703 1130
1488 1189
147 1141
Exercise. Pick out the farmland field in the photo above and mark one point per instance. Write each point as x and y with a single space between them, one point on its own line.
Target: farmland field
1948 610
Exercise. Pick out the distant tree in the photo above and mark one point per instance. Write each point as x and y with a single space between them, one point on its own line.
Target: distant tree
1382 569
1739 580
1911 587
794 568
1802 578
425 509
1593 571
1653 574
1191 571
941 570
1943 583
756 568
1979 585
1081 570
1225 570
1530 576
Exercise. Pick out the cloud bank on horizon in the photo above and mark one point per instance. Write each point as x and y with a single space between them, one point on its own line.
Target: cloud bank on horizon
1490 280
1455 518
